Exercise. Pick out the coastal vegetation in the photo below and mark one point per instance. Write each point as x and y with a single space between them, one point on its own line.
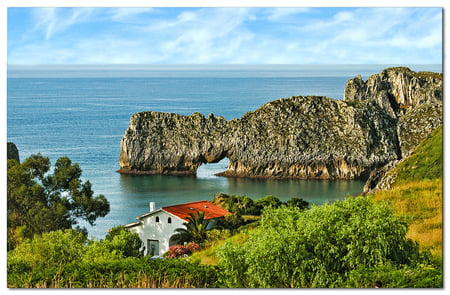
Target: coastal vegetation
347 244
328 246
392 237
416 195
40 201
65 259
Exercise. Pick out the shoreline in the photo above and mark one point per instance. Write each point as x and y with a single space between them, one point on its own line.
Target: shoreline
234 175
140 172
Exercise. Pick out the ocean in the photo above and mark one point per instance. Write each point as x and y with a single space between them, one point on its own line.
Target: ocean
83 111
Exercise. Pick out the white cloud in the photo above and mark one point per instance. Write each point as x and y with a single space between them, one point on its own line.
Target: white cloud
282 13
128 14
231 35
53 20
205 35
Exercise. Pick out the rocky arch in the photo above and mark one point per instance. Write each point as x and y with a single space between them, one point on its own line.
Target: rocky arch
210 169
301 137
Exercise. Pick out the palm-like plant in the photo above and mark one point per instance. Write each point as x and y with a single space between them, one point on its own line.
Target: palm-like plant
195 230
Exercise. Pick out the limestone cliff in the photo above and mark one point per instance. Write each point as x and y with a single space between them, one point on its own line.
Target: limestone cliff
396 89
304 137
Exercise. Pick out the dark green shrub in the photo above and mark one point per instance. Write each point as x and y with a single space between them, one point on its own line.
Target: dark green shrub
297 202
269 201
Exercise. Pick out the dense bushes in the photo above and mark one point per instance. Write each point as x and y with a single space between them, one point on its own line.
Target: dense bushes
128 272
54 248
64 259
327 246
244 205
347 244
245 209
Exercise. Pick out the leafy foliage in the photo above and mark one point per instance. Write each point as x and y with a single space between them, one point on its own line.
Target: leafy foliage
64 259
196 229
317 248
127 272
54 248
244 205
297 202
120 242
348 244
39 201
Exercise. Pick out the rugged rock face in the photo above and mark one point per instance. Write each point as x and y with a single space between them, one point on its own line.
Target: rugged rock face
396 89
12 152
303 137
167 143
414 98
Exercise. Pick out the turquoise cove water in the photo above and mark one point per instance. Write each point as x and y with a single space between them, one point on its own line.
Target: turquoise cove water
83 111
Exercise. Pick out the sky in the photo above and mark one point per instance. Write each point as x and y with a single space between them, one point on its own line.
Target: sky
217 35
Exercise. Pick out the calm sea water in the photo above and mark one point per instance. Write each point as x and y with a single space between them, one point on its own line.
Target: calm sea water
83 111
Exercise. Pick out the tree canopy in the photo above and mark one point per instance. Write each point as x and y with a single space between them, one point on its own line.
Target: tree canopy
40 201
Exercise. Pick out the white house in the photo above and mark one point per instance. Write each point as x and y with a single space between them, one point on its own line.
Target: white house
156 228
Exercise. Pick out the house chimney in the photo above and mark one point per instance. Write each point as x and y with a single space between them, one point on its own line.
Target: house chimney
152 206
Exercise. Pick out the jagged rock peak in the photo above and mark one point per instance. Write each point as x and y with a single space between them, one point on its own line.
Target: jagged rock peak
396 89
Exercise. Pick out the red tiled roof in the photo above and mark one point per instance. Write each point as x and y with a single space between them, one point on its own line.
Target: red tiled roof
183 210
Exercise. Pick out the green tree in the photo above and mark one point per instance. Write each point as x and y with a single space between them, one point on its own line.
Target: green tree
118 244
319 247
195 229
128 243
297 202
39 201
268 201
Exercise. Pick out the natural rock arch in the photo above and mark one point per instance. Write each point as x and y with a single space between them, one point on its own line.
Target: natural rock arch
302 137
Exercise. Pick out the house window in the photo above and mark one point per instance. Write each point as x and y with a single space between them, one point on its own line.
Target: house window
157 218
169 220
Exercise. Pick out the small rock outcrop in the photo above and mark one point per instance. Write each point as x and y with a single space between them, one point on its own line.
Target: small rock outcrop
379 121
12 152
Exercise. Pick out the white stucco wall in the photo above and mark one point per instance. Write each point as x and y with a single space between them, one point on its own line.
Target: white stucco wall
160 231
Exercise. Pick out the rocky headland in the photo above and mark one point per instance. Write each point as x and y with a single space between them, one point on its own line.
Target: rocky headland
380 121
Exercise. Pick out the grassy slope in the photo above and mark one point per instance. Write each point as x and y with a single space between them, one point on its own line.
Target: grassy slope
425 162
416 194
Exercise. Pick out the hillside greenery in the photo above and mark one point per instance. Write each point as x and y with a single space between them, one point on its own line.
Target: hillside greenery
416 195
420 205
425 162
329 246
392 238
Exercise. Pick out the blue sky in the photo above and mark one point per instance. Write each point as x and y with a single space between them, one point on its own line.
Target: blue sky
224 35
